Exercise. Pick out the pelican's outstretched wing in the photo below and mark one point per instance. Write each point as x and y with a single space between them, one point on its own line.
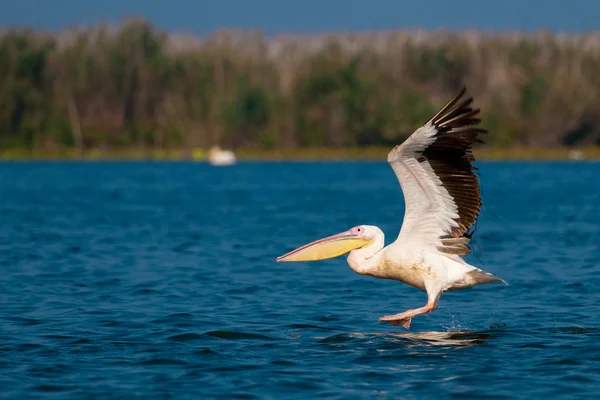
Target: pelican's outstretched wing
440 189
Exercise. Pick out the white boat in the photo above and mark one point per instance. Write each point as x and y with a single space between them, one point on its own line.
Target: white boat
576 155
219 157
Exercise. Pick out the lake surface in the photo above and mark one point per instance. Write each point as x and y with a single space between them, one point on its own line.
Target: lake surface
159 280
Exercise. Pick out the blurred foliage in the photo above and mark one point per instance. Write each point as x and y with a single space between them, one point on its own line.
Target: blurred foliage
135 86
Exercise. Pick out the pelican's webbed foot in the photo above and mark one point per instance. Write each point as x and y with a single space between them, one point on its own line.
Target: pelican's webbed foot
397 320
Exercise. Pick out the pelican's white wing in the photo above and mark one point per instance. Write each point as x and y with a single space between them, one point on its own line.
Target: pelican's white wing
440 189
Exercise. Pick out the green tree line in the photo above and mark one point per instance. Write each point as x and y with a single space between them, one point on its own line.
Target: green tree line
136 86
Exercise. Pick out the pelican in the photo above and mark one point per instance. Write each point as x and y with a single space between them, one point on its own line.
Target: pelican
442 198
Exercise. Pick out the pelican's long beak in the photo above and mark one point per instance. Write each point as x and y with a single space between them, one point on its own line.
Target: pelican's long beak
328 247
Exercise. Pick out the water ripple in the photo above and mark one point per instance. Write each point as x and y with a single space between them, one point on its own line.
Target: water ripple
231 335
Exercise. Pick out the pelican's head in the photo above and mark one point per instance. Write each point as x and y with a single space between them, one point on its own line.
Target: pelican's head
334 246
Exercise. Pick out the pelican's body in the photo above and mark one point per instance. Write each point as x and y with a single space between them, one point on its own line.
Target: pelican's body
442 199
421 269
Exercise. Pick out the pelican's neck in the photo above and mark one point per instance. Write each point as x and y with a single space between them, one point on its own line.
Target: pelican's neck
366 259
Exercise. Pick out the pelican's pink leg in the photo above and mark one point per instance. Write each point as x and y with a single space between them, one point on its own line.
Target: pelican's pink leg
404 319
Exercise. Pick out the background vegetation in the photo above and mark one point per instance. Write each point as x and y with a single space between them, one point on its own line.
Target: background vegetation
137 87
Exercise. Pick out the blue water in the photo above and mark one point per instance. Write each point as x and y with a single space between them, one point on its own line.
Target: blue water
159 280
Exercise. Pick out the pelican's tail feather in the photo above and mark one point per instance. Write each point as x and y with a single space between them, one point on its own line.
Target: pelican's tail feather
481 277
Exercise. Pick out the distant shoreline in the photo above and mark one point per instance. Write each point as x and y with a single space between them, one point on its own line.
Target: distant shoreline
136 86
303 154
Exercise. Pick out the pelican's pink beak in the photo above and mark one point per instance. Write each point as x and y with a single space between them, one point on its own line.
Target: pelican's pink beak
328 247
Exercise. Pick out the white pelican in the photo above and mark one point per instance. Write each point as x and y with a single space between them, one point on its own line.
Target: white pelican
442 198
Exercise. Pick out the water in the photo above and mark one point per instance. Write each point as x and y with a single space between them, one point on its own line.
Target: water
158 280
